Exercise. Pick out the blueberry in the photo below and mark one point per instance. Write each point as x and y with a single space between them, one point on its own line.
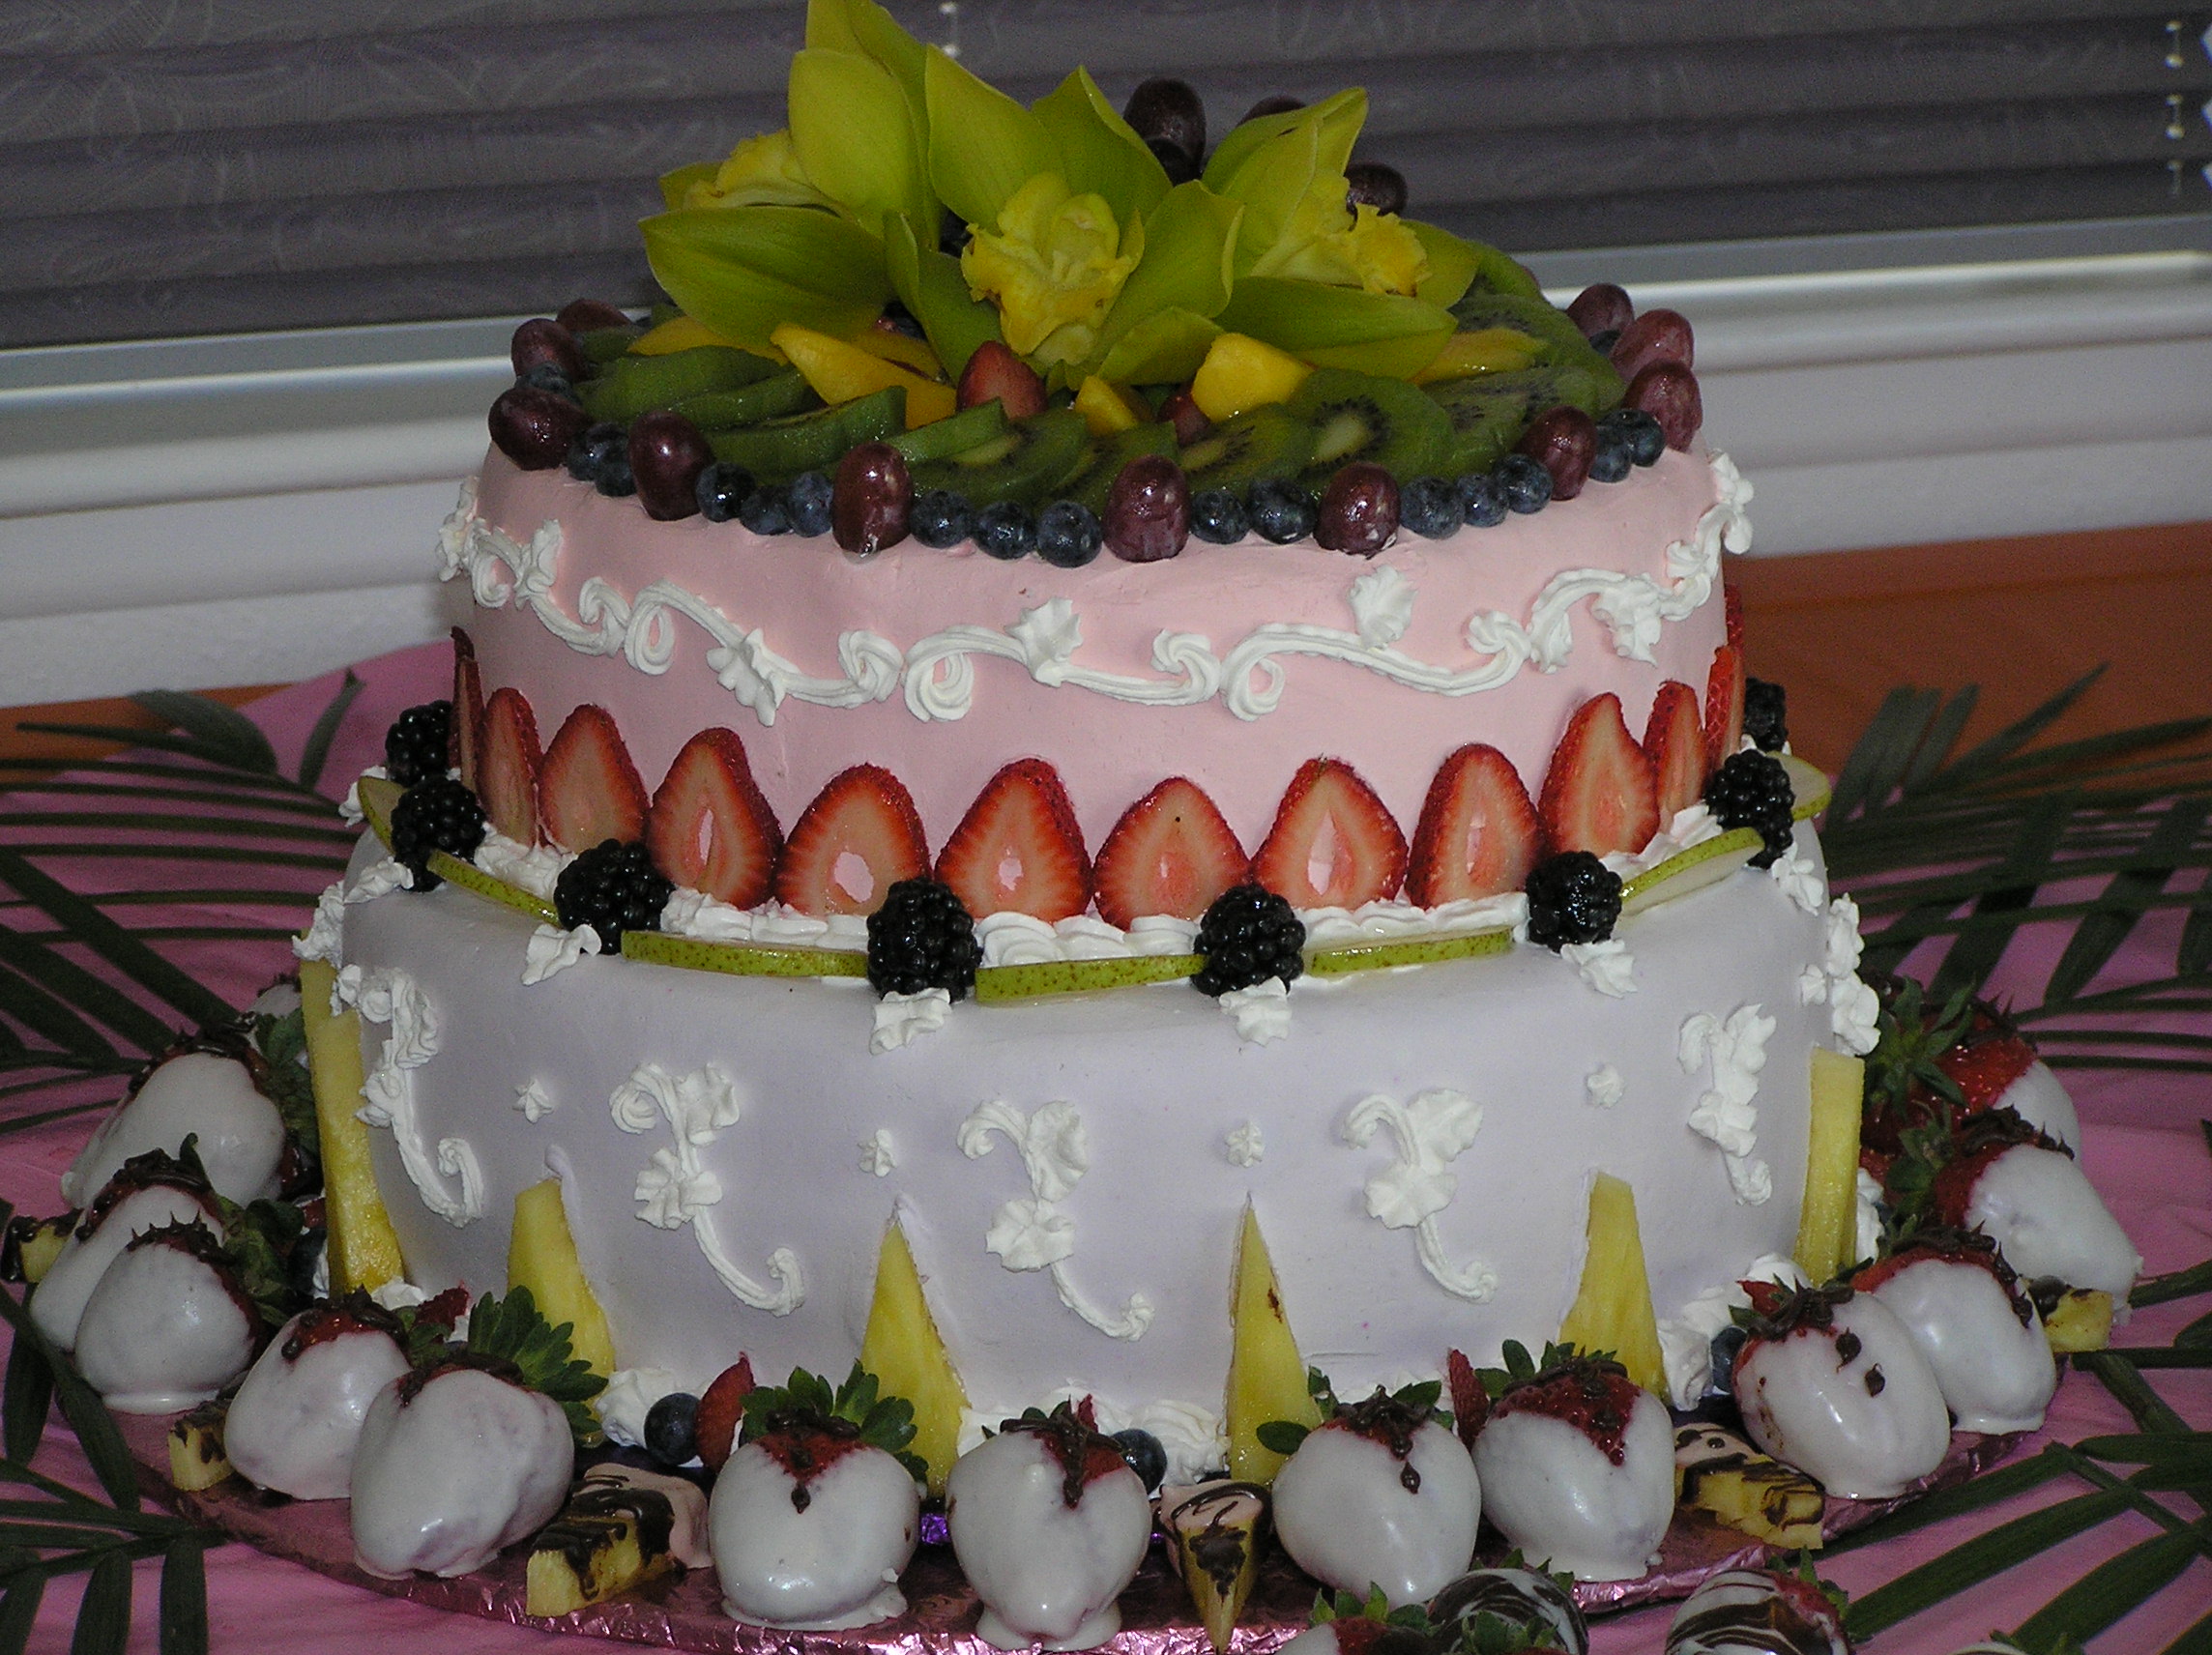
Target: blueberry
670 1429
1614 457
810 494
1281 510
1003 530
1647 437
938 518
1144 1455
591 450
766 510
1068 535
614 479
722 488
1604 339
1430 507
1217 515
547 376
1481 502
1726 1343
1524 483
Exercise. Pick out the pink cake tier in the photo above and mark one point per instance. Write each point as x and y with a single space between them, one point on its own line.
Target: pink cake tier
1231 665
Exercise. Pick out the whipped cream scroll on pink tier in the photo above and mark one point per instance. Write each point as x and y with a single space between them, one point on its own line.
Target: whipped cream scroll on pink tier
941 666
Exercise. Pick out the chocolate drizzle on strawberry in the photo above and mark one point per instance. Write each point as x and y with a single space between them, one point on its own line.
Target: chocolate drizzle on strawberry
1084 1454
1778 1312
413 1383
195 1240
805 1442
354 1313
1952 1245
1974 1148
156 1169
1796 1620
1390 1422
1593 1394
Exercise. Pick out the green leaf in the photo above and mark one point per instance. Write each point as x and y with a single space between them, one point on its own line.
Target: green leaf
515 1330
19 1609
1163 349
2011 888
1453 261
1339 327
2126 1382
855 136
25 1398
317 753
113 944
675 185
983 146
1099 152
1281 1436
95 1431
183 1596
1880 758
2016 735
866 27
189 746
45 1015
1190 243
225 733
1269 163
103 1615
2126 899
179 822
743 272
928 282
1978 1559
2112 1589
83 992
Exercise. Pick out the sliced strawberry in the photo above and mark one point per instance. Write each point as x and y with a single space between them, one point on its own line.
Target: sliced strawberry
1469 1402
468 708
860 837
1599 795
1170 853
1334 844
509 765
1018 849
588 789
1724 706
709 829
1674 741
714 1426
995 371
1731 608
1478 834
1985 1065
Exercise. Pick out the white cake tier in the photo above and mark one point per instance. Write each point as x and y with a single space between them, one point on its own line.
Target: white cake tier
1418 1146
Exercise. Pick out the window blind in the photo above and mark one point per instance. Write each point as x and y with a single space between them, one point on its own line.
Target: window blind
187 167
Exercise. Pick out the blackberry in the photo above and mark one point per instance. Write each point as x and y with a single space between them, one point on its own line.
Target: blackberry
721 490
811 495
766 510
438 814
1615 455
1647 440
1003 530
922 938
612 887
1068 534
1249 934
938 518
1281 510
1217 517
596 447
416 746
1765 714
1430 507
1481 502
1524 483
1573 897
1751 790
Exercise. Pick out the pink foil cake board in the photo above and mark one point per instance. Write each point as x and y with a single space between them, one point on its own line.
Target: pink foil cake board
684 1610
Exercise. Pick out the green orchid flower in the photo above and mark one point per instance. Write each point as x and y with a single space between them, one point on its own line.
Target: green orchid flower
1053 267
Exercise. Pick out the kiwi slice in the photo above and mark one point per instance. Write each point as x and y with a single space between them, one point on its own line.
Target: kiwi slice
955 433
601 345
1026 462
1259 443
770 398
1103 458
1488 413
1562 343
629 385
778 450
1387 423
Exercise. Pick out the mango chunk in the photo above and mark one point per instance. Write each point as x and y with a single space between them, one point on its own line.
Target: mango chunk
1484 350
1241 373
678 334
541 1255
840 372
364 1249
907 1354
1267 1376
1612 1308
902 348
1106 408
1828 1223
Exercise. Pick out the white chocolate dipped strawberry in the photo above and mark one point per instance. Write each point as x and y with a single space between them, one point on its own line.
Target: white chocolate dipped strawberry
204 1090
1381 1494
148 1191
169 1323
1578 1465
1995 1067
1962 1304
2031 1197
1049 1525
296 1420
473 1451
1830 1382
1531 1603
1348 1626
1757 1612
815 1514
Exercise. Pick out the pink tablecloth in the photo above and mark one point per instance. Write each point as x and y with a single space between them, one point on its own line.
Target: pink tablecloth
2143 1148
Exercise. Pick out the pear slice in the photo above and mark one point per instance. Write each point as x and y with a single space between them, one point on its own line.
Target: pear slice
1215 1532
1706 863
1267 1376
363 1248
469 877
1340 959
1613 1309
903 1348
1810 783
196 1457
377 796
1827 1223
743 958
541 1255
998 983
2081 1321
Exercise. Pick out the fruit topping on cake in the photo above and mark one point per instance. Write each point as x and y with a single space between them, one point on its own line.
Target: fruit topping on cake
541 1257
1379 1494
1479 835
818 1512
1613 1309
1147 510
1964 1306
613 887
1049 1525
1215 1532
904 1349
871 499
922 938
148 1192
1334 844
859 836
1573 897
588 789
1170 853
2028 1193
296 1420
439 814
1828 1220
417 747
1674 741
508 766
1249 936
1509 1609
196 1457
721 1409
1018 849
1765 714
169 1322
1829 1380
1599 794
1720 1473
468 708
1577 1463
1724 705
1758 1612
621 1528
708 828
1751 790
215 1090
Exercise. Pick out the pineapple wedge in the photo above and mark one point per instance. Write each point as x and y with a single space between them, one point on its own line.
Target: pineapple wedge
1241 373
1216 1531
1613 1309
1828 1223
1718 1471
2081 1321
33 1245
541 1255
1267 1376
364 1249
196 1458
619 1528
907 1354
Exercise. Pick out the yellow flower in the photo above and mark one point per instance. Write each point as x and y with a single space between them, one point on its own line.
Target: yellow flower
762 171
1053 267
1325 241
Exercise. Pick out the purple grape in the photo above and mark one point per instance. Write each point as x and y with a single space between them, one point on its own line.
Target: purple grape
873 501
667 453
1371 183
1147 510
1561 440
538 340
1359 511
1655 336
1601 307
1667 392
533 427
589 315
1166 110
1275 104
